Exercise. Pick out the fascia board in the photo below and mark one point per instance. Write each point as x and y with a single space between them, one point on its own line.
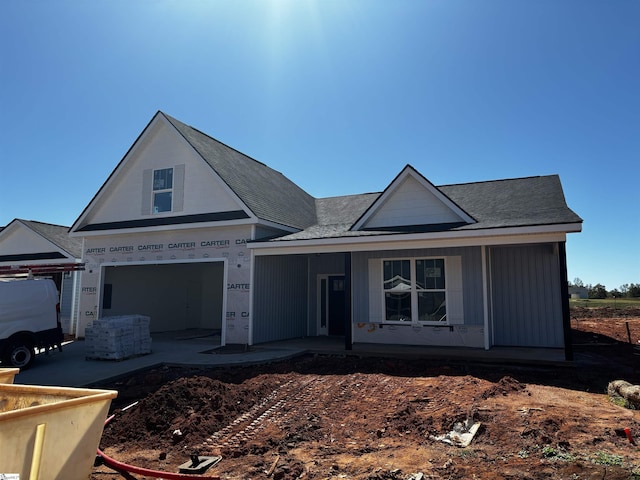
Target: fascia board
279 226
166 228
13 224
516 235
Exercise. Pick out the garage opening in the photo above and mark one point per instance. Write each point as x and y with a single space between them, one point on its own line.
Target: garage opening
177 296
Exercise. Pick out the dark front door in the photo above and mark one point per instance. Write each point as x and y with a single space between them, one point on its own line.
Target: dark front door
336 305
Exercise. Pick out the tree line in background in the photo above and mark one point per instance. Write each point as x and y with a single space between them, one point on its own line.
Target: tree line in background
628 290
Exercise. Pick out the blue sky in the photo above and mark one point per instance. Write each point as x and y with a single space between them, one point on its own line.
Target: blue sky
337 95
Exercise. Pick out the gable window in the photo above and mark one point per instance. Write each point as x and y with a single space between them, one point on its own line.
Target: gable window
415 290
162 190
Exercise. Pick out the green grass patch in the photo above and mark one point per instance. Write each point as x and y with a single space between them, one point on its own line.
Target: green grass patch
556 454
607 459
605 302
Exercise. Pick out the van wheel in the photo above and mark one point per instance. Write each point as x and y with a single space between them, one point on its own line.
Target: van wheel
20 354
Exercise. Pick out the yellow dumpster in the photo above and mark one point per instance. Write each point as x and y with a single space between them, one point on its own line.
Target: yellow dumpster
50 433
7 375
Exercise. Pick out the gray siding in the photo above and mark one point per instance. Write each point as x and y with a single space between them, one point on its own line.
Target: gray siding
471 279
526 296
280 298
66 301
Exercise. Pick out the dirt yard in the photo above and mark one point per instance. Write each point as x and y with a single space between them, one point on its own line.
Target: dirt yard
379 419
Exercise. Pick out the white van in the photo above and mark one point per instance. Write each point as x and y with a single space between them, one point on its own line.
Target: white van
29 319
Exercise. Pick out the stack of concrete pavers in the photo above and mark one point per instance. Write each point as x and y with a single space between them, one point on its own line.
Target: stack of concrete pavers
118 337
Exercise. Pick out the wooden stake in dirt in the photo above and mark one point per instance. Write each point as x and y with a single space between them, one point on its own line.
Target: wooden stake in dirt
273 467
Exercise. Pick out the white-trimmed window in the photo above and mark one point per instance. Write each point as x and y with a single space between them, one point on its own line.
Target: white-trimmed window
414 290
426 290
162 190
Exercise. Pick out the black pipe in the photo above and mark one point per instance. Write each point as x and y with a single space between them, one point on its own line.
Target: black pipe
348 340
564 297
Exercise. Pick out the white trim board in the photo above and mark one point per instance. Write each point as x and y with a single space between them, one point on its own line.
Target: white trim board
400 242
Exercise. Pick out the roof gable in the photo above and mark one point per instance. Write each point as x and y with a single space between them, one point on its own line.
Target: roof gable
27 240
211 183
412 202
125 200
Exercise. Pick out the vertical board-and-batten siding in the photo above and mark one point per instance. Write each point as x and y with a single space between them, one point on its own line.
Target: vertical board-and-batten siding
66 300
471 267
280 298
526 296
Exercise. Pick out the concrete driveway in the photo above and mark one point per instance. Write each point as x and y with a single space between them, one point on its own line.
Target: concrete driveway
197 348
70 368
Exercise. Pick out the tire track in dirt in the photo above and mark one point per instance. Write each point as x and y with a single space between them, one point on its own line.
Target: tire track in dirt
310 395
268 410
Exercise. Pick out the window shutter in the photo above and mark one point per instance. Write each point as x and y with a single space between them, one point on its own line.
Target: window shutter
455 300
375 290
146 192
178 188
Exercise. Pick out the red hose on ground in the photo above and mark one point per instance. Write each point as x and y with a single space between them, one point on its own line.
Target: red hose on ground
119 466
116 465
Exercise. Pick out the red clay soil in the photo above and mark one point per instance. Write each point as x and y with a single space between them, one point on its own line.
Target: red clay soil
347 417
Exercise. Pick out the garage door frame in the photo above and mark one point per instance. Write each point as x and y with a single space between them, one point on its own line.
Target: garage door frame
223 260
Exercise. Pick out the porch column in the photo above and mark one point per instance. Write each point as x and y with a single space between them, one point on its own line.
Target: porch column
485 296
348 337
564 298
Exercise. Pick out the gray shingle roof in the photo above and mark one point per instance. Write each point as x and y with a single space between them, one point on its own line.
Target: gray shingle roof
343 210
519 202
58 235
270 196
514 202
267 193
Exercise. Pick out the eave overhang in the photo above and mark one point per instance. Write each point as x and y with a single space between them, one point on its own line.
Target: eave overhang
394 241
119 230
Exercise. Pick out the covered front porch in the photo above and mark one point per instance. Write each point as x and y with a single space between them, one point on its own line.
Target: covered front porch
493 297
300 295
334 345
